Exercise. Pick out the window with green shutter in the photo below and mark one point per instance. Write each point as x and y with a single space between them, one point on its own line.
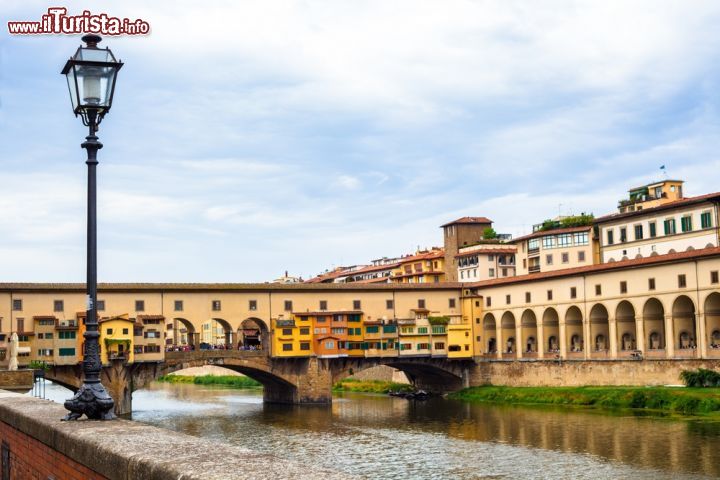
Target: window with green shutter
705 220
686 223
67 352
669 226
372 329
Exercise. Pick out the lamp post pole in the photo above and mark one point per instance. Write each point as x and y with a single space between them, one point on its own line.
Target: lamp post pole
91 72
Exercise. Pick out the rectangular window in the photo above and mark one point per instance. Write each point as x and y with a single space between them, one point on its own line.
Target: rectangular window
565 257
216 305
549 295
527 297
66 335
356 305
507 299
305 331
548 242
651 284
669 226
126 331
67 352
686 223
287 331
330 344
321 319
488 302
705 220
58 306
389 304
653 229
178 305
638 232
533 244
623 234
304 346
598 289
389 329
564 240
17 304
20 324
581 256
451 303
139 305
623 287
610 239
323 304
714 276
682 281
422 330
549 259
109 331
581 238
491 272
372 329
138 331
573 292
438 329
421 303
287 347
439 346
101 305
252 305
288 305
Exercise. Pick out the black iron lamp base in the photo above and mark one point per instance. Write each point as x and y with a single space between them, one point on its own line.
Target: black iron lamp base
92 400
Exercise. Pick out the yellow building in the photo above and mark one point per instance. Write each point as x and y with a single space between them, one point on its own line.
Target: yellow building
426 266
116 339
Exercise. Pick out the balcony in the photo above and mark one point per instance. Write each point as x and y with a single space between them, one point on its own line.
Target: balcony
534 268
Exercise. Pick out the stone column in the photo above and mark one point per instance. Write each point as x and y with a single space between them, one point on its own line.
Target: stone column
563 339
640 334
669 337
499 344
315 386
612 333
519 340
540 339
588 341
701 332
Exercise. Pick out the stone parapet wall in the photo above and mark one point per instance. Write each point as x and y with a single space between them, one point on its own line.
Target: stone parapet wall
41 446
581 373
16 379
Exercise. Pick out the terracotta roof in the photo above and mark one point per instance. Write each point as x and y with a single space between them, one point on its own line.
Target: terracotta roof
419 274
223 287
375 280
423 256
555 231
634 263
328 312
151 317
375 268
665 206
482 251
468 221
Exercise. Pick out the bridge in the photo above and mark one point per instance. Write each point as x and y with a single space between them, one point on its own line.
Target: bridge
306 380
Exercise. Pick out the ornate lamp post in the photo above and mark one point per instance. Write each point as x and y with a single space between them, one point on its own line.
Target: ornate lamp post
91 75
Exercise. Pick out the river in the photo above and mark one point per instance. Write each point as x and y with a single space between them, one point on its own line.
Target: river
374 436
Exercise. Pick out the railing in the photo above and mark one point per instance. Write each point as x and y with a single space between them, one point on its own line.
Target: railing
534 268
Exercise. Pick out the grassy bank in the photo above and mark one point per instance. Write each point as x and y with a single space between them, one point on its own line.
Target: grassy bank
687 401
370 386
227 380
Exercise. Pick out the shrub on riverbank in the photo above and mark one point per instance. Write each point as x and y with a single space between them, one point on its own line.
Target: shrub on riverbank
370 386
700 378
227 380
688 401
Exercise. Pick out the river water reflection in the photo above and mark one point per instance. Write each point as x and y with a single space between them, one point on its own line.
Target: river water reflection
382 437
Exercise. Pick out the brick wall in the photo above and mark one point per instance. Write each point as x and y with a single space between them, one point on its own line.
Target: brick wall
30 459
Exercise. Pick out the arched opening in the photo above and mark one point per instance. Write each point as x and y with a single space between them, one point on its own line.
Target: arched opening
184 335
528 327
430 378
626 328
507 332
654 322
223 333
712 323
574 332
551 331
684 328
599 331
489 329
253 335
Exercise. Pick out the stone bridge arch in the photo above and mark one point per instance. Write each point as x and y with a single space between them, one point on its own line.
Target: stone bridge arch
436 375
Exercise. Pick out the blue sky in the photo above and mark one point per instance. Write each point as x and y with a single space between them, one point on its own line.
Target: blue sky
252 137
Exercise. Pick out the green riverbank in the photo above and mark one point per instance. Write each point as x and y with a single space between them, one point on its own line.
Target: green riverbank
678 400
370 386
227 380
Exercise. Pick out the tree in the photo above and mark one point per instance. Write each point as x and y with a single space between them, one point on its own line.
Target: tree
489 233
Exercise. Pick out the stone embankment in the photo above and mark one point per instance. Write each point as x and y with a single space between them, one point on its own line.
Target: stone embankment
37 444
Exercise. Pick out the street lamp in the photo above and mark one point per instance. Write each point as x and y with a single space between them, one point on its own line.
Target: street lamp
91 75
